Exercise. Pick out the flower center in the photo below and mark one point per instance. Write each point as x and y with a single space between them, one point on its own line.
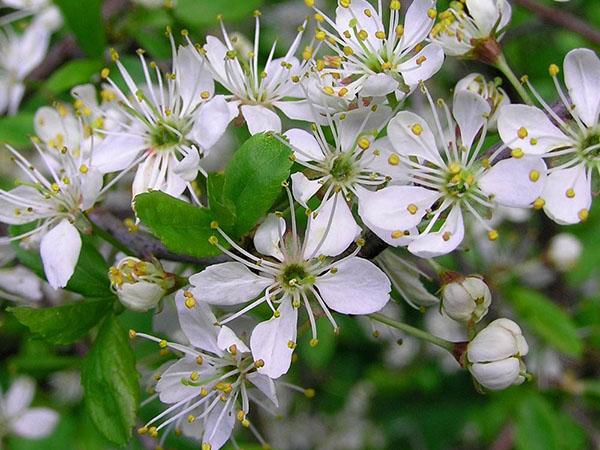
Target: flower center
295 276
163 136
459 181
589 149
343 170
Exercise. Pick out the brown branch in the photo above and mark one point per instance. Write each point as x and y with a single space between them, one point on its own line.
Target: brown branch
563 19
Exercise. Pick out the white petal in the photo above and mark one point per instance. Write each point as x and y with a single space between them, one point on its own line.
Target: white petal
431 245
265 385
497 375
21 282
378 85
116 152
211 121
16 214
19 396
358 287
304 144
470 111
219 425
170 388
541 134
300 110
383 162
216 53
333 230
513 181
270 341
187 167
268 236
227 338
260 119
485 14
91 185
198 324
192 77
59 250
406 141
560 207
354 124
227 283
416 69
303 188
35 423
417 23
356 12
582 77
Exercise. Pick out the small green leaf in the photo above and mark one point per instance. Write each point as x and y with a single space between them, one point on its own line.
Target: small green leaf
253 179
223 209
202 13
181 227
63 324
110 383
15 130
546 319
73 73
84 18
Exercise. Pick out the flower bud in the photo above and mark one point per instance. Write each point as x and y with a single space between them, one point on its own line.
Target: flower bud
564 251
466 299
140 285
494 356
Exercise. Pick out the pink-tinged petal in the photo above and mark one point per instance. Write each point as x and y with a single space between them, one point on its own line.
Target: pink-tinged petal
304 144
273 341
529 129
568 195
59 250
443 241
260 119
582 77
358 287
227 283
515 182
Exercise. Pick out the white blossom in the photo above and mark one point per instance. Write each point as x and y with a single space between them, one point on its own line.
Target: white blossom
564 251
466 299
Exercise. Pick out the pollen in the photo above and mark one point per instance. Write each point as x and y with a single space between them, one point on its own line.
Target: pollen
364 143
313 342
309 392
320 35
363 35
517 153
380 35
55 187
342 92
194 376
522 133
395 5
104 73
191 419
309 3
539 203
583 214
534 175
190 302
412 208
397 234
163 344
84 169
291 345
206 446
421 59
328 90
394 160
399 30
417 129
432 13
570 193
199 360
259 363
213 240
203 392
493 235
345 3
367 12
204 95
553 70
348 51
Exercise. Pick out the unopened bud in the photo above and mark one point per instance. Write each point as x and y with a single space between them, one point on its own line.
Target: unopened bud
466 299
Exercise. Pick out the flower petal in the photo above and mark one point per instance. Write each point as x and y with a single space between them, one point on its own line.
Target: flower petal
268 236
19 396
219 424
170 388
260 119
378 85
485 14
303 188
265 385
443 241
227 338
417 23
470 111
497 375
304 144
192 77
198 324
418 69
345 18
13 214
117 152
411 136
227 283
35 423
211 121
563 205
582 77
59 250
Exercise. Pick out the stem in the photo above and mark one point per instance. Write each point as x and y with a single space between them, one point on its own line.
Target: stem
437 267
502 66
391 98
100 232
408 329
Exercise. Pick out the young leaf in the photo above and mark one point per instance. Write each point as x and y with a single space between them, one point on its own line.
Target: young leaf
182 228
253 179
84 18
546 319
63 324
71 74
15 130
222 208
110 383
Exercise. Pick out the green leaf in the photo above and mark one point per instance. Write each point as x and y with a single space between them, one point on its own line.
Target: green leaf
84 18
110 383
222 208
90 278
536 425
253 179
63 324
72 74
202 13
546 319
181 227
15 130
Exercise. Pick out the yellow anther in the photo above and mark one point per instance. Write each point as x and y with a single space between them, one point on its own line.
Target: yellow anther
517 153
328 90
570 193
553 70
493 235
213 240
412 208
309 3
259 363
214 224
132 334
446 236
313 342
233 349
163 344
307 53
345 3
380 35
104 73
142 430
319 17
191 419
393 159
386 66
320 35
539 203
583 214
417 129
203 392
395 5
153 432
533 141
400 30
199 360
55 187
194 376
432 13
363 35
190 302
397 234
534 175
367 12
421 59
291 345
342 92
204 95
83 168
309 392
206 446
364 143
348 51
522 133
454 169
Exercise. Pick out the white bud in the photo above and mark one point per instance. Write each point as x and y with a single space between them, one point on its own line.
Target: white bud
494 356
140 296
564 251
466 299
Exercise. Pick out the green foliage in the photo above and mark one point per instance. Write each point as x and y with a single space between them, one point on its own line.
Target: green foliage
223 208
110 383
198 13
15 130
79 71
84 18
63 324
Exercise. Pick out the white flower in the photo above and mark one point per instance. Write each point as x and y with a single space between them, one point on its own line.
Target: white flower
211 385
466 299
373 60
465 29
564 251
258 92
449 177
16 416
17 283
296 273
54 204
342 171
140 285
494 356
572 146
19 55
489 91
171 122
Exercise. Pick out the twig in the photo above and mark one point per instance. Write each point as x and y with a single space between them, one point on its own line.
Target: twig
562 18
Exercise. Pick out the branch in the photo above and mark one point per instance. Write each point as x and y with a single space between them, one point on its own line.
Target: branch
562 18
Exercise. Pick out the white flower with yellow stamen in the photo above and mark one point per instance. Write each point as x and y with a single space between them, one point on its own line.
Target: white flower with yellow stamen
490 91
53 199
371 60
291 274
212 384
571 147
472 28
172 121
449 176
259 92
